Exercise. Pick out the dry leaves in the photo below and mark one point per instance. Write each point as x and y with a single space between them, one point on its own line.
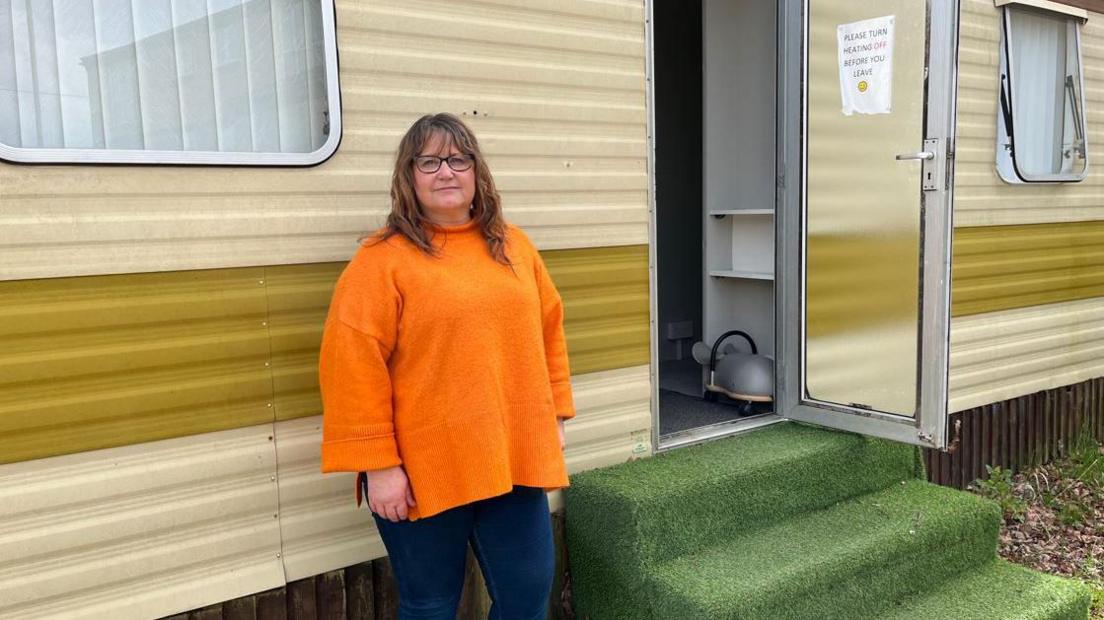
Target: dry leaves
1058 524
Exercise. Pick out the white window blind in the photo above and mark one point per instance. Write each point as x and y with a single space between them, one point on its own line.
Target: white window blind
168 76
1042 125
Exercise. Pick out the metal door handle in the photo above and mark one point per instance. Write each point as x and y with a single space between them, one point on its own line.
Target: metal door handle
924 155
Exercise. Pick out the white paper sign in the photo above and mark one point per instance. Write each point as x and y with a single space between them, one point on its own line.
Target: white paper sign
866 65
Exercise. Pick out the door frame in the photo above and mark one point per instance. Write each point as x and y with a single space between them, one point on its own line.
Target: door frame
710 432
929 427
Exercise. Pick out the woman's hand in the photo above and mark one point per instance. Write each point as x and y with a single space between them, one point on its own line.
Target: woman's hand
389 493
560 427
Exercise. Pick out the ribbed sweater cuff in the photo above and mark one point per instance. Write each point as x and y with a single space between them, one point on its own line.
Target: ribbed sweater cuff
563 401
360 454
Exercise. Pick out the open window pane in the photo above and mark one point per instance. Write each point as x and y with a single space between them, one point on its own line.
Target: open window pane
1042 126
168 81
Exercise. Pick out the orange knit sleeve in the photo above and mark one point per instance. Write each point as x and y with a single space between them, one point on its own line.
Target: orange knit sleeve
358 431
555 345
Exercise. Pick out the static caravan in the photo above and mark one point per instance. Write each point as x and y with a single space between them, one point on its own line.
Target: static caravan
896 201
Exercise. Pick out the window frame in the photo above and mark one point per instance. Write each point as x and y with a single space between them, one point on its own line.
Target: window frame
1007 166
34 155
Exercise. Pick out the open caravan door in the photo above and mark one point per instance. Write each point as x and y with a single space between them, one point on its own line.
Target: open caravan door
864 236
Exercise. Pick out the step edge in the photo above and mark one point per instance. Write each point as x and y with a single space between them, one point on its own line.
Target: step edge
811 569
1078 594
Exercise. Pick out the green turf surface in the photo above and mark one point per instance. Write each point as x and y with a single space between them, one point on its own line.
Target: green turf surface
625 518
683 500
993 591
784 522
847 559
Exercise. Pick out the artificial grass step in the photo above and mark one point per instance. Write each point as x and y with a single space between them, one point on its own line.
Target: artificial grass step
623 519
996 591
842 562
679 502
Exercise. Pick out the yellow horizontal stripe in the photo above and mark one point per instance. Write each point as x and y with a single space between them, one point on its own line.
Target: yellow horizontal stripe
605 293
104 361
1004 267
299 296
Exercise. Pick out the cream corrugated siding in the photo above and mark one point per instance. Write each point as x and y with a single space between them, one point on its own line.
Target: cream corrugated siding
613 418
981 198
323 529
1002 355
321 526
141 531
554 90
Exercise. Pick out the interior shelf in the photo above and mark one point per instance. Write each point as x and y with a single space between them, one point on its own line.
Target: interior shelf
739 170
724 212
741 247
747 275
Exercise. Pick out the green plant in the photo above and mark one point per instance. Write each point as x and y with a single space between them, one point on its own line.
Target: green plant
1086 461
1072 513
1050 500
1097 601
1090 570
998 486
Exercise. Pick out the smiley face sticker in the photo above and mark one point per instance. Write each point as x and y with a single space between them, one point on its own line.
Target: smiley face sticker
863 86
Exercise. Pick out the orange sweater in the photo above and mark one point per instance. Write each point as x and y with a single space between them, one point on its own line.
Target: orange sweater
453 367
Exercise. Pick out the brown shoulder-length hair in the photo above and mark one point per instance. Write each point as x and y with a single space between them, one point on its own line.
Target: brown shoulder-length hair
408 219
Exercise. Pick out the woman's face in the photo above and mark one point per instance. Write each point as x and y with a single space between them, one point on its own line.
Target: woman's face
444 195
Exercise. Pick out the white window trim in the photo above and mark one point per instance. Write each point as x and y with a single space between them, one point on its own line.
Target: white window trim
209 158
1002 132
1047 5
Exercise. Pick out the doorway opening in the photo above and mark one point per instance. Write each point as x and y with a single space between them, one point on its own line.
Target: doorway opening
715 159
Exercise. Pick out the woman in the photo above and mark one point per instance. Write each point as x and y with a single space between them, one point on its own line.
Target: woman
445 378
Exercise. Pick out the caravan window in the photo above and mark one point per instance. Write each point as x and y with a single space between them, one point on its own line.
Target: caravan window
242 82
1041 122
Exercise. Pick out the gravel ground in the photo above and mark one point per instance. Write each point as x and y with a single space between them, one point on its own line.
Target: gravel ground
1054 516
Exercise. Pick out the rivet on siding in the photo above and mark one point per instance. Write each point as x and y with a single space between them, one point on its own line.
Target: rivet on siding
260 281
270 437
264 323
272 478
268 404
267 364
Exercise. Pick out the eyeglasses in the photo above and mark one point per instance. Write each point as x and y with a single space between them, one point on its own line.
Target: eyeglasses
430 164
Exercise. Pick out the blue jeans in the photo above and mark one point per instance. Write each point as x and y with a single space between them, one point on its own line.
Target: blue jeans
511 536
